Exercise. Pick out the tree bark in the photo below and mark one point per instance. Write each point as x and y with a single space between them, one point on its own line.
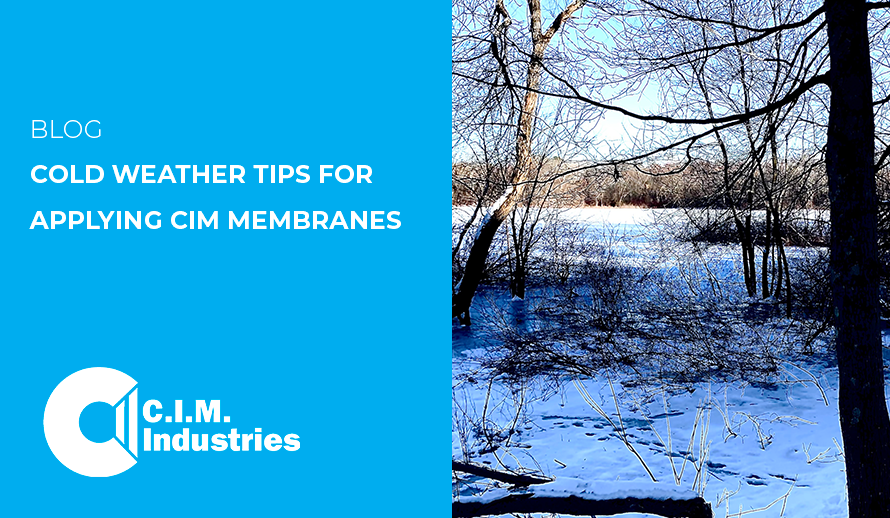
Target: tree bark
865 424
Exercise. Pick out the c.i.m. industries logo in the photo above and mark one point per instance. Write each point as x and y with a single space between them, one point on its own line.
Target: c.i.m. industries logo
62 425
61 422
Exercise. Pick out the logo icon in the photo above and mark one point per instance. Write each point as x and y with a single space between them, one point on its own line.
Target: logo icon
61 422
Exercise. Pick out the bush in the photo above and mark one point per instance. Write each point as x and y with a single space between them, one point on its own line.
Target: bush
715 226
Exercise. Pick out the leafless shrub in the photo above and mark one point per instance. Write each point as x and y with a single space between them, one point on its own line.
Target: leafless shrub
716 226
683 317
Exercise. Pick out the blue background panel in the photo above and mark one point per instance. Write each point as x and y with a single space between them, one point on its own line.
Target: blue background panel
337 336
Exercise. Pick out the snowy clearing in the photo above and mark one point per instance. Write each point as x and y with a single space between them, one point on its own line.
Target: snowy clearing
748 448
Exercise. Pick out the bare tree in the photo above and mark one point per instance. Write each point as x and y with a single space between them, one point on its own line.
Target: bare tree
510 64
850 166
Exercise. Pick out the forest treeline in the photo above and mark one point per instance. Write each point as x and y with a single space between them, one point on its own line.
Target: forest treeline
701 185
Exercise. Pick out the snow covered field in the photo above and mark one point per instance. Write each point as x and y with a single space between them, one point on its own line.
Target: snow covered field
758 449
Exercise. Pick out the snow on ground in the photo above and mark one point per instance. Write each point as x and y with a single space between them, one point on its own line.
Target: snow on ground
760 442
748 449
593 491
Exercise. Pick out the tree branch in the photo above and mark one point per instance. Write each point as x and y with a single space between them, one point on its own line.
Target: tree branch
676 15
738 117
561 17
759 35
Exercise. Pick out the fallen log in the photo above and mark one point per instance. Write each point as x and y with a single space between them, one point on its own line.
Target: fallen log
501 476
579 506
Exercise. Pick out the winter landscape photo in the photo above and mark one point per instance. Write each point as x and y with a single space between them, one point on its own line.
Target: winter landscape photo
670 258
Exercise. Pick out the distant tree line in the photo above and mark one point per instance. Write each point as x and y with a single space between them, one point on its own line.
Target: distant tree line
701 185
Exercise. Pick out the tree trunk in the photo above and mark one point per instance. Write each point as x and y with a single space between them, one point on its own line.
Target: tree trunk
749 239
788 294
764 270
460 301
750 277
518 279
865 424
778 253
475 267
